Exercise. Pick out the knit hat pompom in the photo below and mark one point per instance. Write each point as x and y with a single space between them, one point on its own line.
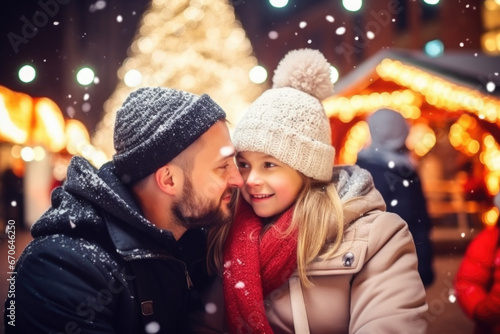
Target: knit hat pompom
306 70
289 121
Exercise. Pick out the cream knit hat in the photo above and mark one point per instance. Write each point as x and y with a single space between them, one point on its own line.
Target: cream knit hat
288 121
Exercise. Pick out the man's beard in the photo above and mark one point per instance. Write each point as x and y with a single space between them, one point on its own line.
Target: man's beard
192 211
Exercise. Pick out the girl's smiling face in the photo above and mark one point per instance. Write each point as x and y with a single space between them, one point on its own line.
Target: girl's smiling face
271 186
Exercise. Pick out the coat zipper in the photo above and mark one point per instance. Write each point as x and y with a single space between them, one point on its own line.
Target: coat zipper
188 279
189 282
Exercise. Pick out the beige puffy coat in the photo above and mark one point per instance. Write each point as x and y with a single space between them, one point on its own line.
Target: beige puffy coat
372 286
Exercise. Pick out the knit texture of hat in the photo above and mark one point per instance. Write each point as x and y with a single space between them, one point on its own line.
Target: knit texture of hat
155 124
388 130
288 121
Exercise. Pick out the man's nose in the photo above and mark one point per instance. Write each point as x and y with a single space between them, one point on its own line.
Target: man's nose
235 179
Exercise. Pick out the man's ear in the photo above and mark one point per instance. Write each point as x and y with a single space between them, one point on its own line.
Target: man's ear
167 179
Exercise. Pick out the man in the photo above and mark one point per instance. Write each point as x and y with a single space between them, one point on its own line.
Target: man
122 248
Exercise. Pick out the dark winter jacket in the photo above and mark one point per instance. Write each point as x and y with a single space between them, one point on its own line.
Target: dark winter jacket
96 265
401 189
477 282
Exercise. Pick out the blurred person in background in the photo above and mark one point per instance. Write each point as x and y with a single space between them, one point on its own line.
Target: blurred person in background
397 179
477 282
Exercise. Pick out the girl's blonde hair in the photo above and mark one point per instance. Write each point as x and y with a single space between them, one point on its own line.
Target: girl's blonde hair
319 218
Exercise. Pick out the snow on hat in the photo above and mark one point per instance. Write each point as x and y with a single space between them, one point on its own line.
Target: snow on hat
388 129
155 124
288 121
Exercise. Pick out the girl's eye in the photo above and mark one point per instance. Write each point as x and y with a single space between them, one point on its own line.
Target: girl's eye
269 164
242 164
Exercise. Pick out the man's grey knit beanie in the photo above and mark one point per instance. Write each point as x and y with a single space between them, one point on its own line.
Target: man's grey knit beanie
155 124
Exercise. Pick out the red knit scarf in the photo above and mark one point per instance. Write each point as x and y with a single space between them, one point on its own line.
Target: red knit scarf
255 266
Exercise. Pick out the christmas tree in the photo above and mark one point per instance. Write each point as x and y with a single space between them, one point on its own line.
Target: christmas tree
197 46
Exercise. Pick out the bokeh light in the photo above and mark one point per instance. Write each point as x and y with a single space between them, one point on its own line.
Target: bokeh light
85 76
258 74
278 3
352 5
27 73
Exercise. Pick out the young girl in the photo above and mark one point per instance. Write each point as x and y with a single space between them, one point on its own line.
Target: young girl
311 249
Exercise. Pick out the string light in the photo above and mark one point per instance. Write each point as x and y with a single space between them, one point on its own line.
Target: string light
356 139
405 101
440 92
490 158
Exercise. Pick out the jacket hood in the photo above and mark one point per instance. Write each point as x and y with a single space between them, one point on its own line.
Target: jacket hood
357 191
92 200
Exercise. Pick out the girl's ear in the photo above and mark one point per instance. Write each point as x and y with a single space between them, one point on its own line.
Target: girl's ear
166 179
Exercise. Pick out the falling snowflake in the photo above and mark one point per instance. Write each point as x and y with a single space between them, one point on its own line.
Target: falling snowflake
70 111
152 327
391 164
340 31
394 202
273 34
239 285
490 86
86 107
330 18
210 308
99 5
